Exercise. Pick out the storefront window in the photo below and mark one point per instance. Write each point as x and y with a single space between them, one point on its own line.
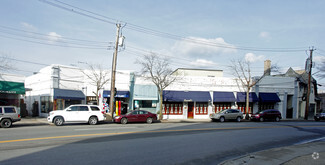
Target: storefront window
201 109
221 106
242 107
148 105
46 104
173 109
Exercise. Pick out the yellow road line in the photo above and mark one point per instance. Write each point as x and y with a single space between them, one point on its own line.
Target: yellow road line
158 131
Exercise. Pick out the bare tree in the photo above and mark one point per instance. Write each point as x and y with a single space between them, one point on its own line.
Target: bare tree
159 73
98 77
242 71
5 64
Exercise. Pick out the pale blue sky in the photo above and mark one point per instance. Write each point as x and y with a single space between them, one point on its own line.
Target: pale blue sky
240 23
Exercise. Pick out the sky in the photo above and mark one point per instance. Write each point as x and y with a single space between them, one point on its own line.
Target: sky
205 34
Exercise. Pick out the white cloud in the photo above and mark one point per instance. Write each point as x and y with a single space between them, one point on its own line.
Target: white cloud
265 35
203 63
28 26
52 36
201 47
250 57
319 59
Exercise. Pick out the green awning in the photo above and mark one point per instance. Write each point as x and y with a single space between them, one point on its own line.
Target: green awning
12 87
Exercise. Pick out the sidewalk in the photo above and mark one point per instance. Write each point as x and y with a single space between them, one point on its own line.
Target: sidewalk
32 121
309 153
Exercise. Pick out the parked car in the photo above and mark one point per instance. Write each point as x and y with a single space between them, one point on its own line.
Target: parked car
136 116
320 116
77 113
8 115
228 114
269 114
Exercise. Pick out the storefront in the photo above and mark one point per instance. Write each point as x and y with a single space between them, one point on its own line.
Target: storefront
223 100
268 101
145 97
241 101
11 93
186 104
121 100
63 98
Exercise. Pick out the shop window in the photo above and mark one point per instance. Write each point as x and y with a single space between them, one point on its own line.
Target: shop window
242 107
173 109
221 106
201 109
46 104
264 106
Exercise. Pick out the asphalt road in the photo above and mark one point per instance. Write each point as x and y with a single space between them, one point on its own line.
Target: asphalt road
158 143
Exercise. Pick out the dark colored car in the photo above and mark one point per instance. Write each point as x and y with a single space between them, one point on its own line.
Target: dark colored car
269 114
136 116
320 116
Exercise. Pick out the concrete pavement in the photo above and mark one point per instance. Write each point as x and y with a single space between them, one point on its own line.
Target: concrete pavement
309 153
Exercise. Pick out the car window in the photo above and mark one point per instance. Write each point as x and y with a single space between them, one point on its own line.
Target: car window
83 108
10 110
93 108
74 108
135 112
235 111
0 109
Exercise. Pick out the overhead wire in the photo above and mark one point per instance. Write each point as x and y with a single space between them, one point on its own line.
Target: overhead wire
149 31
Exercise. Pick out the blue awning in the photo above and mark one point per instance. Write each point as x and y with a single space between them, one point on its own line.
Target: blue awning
241 97
121 94
181 96
223 97
269 97
68 94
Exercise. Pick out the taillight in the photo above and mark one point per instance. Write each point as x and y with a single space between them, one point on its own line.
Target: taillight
18 115
103 112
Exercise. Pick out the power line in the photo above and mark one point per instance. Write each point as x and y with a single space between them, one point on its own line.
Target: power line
46 35
149 31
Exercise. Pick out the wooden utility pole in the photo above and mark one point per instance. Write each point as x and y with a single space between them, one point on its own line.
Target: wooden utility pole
310 61
112 95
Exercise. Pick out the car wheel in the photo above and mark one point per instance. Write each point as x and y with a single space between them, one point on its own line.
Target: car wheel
277 119
222 119
124 120
6 123
261 119
93 120
149 120
316 119
238 119
213 120
58 121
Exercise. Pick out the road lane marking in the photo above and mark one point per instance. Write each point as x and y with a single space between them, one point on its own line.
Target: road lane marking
158 131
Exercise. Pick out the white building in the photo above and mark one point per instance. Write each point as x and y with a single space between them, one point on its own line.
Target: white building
191 96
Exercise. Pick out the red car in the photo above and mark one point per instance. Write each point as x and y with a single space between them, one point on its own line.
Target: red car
269 114
136 116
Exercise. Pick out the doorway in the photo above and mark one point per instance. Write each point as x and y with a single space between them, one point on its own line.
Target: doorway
190 110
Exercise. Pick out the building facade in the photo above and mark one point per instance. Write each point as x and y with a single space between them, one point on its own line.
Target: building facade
189 97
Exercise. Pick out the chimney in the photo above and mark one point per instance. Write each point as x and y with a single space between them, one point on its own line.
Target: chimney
267 67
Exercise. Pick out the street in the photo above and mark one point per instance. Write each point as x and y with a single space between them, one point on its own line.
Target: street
157 143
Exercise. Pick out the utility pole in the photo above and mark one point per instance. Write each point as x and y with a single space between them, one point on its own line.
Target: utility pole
309 66
111 101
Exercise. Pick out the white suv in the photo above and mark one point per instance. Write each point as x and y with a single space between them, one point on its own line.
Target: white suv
8 115
77 113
